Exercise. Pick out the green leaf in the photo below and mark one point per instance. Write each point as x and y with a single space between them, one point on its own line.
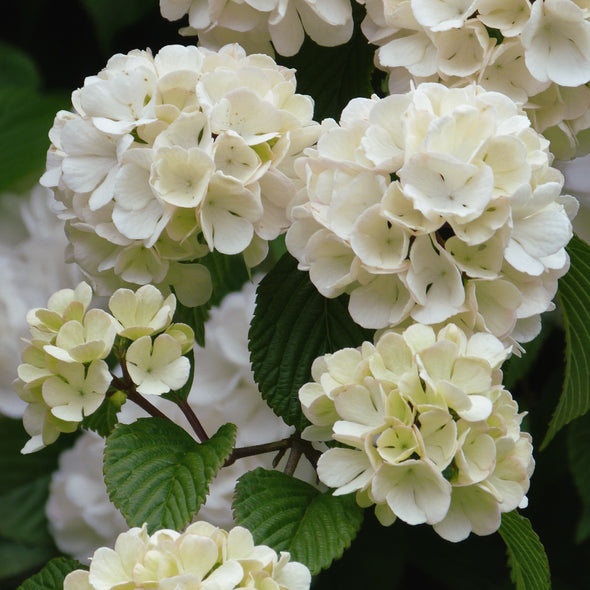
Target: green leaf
526 555
17 68
293 324
574 296
52 576
157 474
25 119
578 442
288 514
334 75
128 13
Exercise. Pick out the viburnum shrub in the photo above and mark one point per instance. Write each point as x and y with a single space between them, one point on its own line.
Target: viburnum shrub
313 245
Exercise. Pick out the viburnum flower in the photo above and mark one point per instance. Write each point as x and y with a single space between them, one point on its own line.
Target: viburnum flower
456 190
428 434
203 556
169 157
256 23
576 182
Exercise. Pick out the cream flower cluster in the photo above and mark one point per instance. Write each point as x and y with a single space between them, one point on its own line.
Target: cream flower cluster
203 557
429 433
537 53
64 376
433 206
169 157
256 23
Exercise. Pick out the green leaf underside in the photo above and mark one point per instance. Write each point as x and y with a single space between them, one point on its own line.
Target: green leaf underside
52 576
288 514
157 474
529 567
574 296
579 460
293 325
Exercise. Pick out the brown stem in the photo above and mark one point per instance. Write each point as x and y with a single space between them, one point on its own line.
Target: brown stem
239 453
293 460
192 419
128 387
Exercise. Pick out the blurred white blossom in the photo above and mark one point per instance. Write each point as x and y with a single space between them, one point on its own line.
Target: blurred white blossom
203 556
461 217
168 157
577 183
429 433
32 246
255 24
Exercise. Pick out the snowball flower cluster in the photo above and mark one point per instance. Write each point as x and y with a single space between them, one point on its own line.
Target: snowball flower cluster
203 557
256 23
32 244
433 206
537 53
64 376
168 157
429 433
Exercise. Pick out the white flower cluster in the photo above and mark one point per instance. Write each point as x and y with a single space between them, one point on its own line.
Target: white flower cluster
203 557
256 23
537 53
32 245
64 376
430 434
169 157
433 206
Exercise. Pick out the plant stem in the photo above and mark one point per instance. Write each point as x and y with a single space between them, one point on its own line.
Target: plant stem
192 419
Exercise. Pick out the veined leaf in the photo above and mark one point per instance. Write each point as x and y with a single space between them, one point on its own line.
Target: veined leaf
156 473
52 576
574 296
528 562
288 514
293 324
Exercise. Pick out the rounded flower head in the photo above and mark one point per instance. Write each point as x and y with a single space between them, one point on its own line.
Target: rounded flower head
204 557
257 23
427 432
455 188
168 157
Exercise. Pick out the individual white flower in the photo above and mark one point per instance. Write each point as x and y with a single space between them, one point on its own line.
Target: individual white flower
157 367
427 433
456 186
81 516
32 244
255 23
557 42
202 556
143 312
168 157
